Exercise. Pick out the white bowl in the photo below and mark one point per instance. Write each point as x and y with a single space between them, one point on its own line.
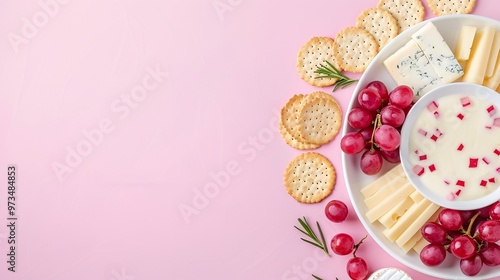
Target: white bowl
459 89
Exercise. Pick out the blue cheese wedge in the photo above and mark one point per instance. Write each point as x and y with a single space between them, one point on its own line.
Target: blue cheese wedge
409 66
438 53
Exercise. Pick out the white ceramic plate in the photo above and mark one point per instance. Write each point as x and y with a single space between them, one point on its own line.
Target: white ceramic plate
449 27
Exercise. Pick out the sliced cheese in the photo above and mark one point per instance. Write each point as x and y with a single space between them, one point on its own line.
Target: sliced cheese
385 191
409 66
391 217
406 220
417 224
475 69
416 196
420 245
494 81
438 53
464 44
411 243
418 235
385 206
492 60
380 182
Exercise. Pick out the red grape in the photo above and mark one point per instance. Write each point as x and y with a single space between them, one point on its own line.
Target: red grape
371 162
471 266
392 115
408 108
432 255
342 244
434 233
451 219
401 96
391 156
336 211
495 211
352 143
467 215
387 137
491 254
463 247
381 90
367 135
489 231
359 118
485 212
369 99
357 268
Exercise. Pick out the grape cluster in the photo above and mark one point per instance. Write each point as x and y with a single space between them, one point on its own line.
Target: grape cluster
343 244
378 120
471 236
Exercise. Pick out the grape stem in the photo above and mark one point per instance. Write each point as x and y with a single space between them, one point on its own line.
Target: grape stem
357 245
376 123
468 233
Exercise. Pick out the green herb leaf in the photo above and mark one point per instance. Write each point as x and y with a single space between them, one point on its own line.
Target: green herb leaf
328 70
314 240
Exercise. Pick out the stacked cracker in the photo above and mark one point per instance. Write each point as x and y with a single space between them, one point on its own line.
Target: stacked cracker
307 122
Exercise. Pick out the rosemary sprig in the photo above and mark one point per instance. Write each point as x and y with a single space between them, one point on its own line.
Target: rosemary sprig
318 278
330 71
315 241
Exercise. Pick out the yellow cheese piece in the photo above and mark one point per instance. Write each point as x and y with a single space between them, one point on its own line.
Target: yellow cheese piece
475 69
385 191
464 44
420 245
492 59
494 81
417 224
376 185
418 235
391 217
385 206
416 196
411 243
406 220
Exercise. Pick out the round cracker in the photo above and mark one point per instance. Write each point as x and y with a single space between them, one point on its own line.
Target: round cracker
380 24
293 142
319 120
313 53
355 49
450 7
289 115
309 178
407 12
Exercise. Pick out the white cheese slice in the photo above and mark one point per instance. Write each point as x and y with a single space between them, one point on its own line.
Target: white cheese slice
417 224
409 66
492 60
475 70
391 217
464 44
387 204
406 220
383 180
438 53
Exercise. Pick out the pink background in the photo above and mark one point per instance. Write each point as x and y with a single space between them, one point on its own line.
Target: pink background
211 108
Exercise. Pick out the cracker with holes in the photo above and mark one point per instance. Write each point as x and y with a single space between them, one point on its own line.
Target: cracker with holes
406 12
450 7
309 178
289 115
355 49
380 24
319 119
313 53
